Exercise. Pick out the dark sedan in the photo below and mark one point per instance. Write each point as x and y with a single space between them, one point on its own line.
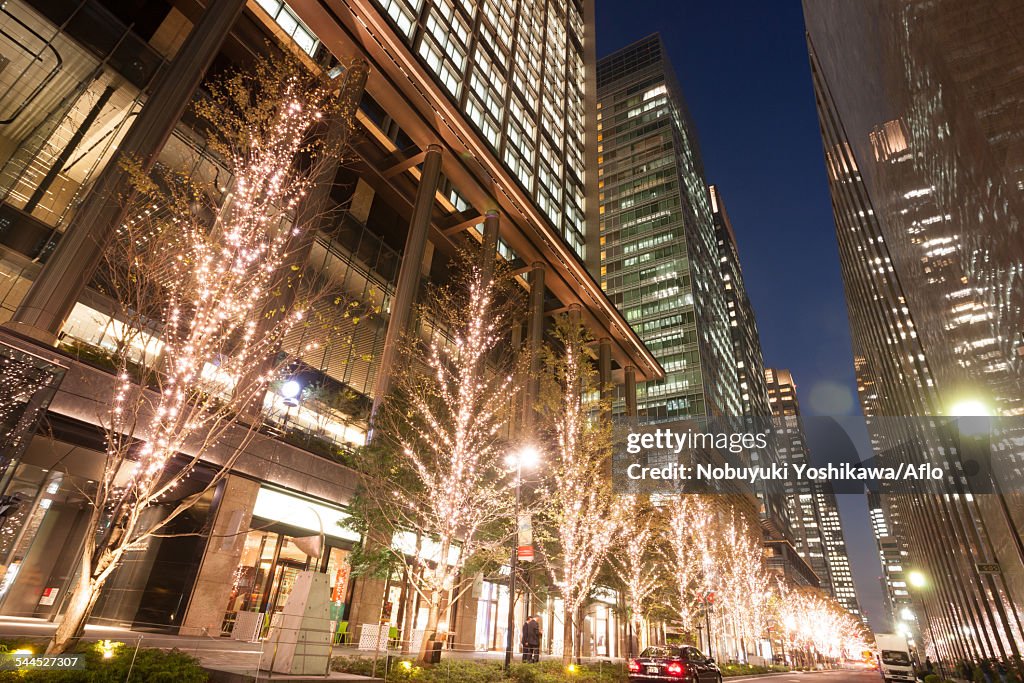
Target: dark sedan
677 663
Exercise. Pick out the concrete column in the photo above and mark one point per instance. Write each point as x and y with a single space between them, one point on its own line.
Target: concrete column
490 245
465 621
535 338
630 373
367 598
514 414
409 273
209 599
576 314
78 254
604 367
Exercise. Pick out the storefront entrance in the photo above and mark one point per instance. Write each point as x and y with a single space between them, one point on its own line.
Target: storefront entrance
276 551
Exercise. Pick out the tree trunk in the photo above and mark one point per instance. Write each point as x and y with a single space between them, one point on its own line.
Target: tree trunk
432 618
578 644
408 614
567 636
79 606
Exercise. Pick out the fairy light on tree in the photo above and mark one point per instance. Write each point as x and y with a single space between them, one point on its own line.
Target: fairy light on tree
582 513
744 584
688 549
635 564
193 270
437 467
816 625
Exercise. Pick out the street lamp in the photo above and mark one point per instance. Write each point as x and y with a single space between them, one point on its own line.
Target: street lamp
527 457
919 582
290 391
974 422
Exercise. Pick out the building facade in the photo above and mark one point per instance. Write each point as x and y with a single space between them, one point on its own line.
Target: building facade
658 251
894 558
813 512
756 407
471 128
923 149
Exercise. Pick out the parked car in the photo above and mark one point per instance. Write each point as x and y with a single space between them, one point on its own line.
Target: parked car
676 663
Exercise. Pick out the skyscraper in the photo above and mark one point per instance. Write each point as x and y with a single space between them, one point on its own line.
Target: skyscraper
922 120
520 73
658 250
742 323
750 377
893 556
812 509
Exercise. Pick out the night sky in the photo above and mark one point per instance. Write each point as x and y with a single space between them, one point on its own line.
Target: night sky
743 68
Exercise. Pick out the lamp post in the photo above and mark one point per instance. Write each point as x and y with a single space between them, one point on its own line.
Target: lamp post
290 392
975 429
527 457
918 581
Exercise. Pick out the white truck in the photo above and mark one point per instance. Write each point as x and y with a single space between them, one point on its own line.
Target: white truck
894 657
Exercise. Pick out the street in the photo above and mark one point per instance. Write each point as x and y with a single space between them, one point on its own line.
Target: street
844 676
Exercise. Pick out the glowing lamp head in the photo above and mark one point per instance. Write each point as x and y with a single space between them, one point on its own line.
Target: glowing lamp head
571 668
974 417
290 391
525 458
906 614
917 579
970 407
406 665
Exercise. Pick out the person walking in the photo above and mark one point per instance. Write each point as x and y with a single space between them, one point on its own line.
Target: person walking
531 640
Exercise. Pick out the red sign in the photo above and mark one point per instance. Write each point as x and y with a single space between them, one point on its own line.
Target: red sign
525 553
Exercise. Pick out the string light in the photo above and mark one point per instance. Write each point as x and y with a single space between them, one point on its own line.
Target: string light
585 516
450 438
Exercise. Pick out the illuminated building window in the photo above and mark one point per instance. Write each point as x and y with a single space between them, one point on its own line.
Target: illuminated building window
289 22
403 12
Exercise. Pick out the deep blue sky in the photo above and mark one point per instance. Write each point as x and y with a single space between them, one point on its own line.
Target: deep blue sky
743 68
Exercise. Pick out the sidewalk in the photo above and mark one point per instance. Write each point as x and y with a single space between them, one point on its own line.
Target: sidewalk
229 661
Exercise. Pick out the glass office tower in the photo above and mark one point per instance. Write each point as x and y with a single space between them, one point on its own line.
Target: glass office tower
519 71
659 254
922 117
812 508
755 403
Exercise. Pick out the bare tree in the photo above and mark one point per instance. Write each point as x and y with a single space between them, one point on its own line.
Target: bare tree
690 549
636 565
815 625
582 512
195 271
436 471
744 583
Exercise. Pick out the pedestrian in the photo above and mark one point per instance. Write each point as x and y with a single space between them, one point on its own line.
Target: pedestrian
531 640
526 637
928 666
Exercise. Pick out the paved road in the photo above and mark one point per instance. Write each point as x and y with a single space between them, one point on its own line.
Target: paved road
818 677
